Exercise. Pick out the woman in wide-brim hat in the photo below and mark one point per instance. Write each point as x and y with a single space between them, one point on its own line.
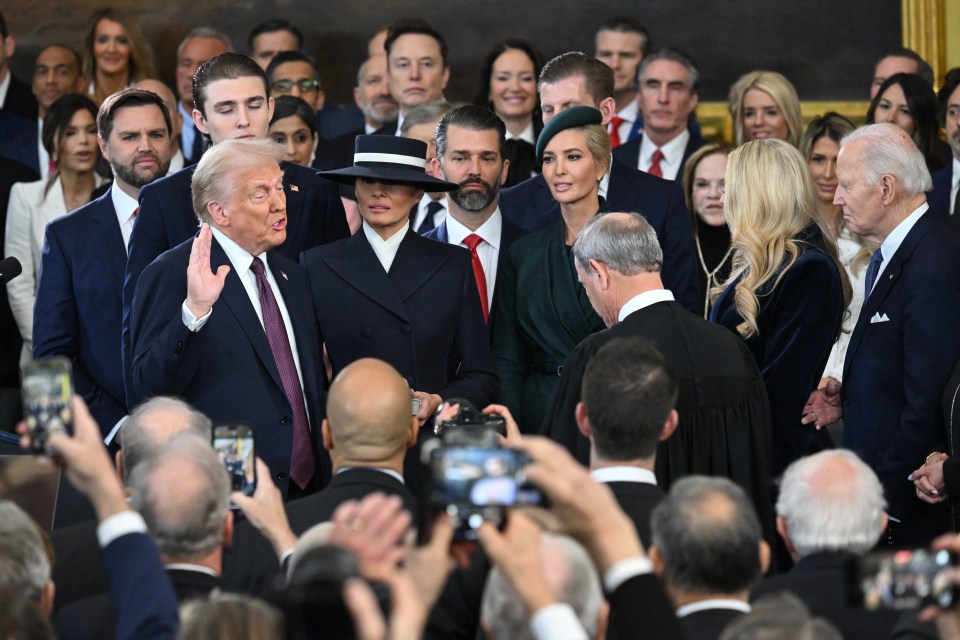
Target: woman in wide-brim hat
391 294
542 309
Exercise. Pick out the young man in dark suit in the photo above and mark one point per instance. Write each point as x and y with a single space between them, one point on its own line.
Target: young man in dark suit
905 344
231 101
573 79
946 182
78 310
470 152
225 320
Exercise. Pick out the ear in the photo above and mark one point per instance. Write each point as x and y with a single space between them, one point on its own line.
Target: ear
764 550
888 188
694 101
118 458
607 107
270 104
47 596
218 214
200 122
506 168
435 169
602 273
9 46
413 433
326 435
321 100
884 521
228 526
104 150
356 98
583 421
446 77
670 425
654 554
781 524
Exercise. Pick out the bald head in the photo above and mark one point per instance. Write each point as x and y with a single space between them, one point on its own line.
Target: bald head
152 424
368 415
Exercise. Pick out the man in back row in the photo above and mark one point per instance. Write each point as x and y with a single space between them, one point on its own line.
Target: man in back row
231 100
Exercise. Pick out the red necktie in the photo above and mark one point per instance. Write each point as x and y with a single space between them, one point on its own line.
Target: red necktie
472 241
615 123
655 169
302 463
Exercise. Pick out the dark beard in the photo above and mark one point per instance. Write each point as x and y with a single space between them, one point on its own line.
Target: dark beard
475 200
138 179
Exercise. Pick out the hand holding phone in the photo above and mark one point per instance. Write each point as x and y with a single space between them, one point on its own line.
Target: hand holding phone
47 389
234 445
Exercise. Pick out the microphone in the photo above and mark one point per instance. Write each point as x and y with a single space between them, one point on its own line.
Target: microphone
10 268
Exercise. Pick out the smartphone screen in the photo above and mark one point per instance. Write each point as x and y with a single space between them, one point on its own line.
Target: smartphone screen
905 579
47 388
235 448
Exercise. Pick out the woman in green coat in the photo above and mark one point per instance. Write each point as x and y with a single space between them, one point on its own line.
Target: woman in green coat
542 309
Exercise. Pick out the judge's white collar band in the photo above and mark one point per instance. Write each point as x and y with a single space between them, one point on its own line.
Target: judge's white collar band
394 158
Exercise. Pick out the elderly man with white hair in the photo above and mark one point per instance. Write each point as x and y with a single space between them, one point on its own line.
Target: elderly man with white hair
906 343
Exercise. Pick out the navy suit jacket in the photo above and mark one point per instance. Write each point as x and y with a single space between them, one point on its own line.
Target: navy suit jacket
20 100
18 140
423 317
629 152
78 308
226 369
939 197
899 360
531 206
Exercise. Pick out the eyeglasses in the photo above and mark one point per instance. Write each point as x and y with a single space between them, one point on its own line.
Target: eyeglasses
285 86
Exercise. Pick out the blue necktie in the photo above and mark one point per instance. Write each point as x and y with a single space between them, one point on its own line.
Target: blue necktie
433 207
872 270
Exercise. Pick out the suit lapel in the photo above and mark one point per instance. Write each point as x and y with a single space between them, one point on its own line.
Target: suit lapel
304 325
235 298
361 269
105 228
413 265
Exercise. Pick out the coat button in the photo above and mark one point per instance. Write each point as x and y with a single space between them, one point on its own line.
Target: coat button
281 476
366 332
406 329
285 420
179 350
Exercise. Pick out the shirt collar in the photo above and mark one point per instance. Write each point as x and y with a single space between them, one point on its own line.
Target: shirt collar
605 180
490 231
389 472
716 603
624 474
240 258
386 250
123 204
896 237
526 135
186 566
5 86
629 112
672 151
956 172
644 299
176 162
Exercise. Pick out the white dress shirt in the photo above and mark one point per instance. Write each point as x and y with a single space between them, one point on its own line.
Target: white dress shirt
896 237
386 250
42 152
176 162
488 250
526 135
955 186
715 603
624 474
421 215
4 87
605 181
642 300
672 155
124 206
240 261
390 472
187 129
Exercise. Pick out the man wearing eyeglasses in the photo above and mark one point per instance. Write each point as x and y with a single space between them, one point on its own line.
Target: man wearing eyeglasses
294 73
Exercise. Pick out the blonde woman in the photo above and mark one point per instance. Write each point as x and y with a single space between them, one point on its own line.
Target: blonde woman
765 105
115 54
787 292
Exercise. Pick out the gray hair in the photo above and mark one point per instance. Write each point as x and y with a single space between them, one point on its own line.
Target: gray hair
214 179
623 241
205 32
140 436
831 501
708 535
426 113
673 55
887 149
572 578
185 521
780 616
24 564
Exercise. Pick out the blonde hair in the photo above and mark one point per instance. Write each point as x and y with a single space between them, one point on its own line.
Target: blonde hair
777 87
769 200
141 57
598 143
224 166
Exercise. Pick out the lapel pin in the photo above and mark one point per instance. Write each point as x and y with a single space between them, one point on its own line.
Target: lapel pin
283 275
294 188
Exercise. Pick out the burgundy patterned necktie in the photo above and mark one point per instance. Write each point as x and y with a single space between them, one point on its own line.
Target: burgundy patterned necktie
655 169
302 463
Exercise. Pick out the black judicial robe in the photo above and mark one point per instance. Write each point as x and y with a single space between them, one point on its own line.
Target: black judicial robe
542 313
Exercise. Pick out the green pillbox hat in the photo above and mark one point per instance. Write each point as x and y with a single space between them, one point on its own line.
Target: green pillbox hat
566 119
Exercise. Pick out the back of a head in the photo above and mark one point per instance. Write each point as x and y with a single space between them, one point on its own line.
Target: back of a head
426 113
625 242
183 493
154 422
597 76
22 617
781 616
226 66
708 535
831 501
231 616
628 391
24 564
572 580
368 410
888 149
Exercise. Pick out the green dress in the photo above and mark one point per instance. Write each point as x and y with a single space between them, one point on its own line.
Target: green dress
542 313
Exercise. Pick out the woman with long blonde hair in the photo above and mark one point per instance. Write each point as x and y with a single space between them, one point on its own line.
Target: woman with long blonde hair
764 104
787 292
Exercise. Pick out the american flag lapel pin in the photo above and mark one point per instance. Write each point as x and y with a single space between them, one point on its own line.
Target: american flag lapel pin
294 188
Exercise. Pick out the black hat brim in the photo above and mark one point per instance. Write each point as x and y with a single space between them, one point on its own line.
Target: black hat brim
401 175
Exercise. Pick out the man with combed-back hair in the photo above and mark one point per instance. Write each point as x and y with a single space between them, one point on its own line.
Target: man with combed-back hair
830 510
724 421
708 550
906 343
572 579
183 494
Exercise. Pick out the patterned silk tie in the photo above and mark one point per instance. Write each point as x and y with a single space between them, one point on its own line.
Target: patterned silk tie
472 241
872 269
615 123
302 463
655 169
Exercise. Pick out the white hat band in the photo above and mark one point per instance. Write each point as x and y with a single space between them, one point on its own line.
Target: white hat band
393 158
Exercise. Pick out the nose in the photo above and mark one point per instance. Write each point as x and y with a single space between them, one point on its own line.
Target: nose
884 116
474 168
837 198
714 192
414 71
831 170
561 166
291 148
295 91
663 95
243 118
755 119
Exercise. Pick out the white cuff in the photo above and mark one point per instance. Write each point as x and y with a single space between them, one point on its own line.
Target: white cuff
118 525
557 621
624 570
193 323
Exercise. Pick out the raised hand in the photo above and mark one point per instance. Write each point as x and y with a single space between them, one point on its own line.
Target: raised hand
203 285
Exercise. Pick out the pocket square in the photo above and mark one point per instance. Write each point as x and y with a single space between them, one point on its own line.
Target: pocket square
879 317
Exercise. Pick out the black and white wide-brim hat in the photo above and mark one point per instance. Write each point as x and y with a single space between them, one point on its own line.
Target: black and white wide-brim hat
390 158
